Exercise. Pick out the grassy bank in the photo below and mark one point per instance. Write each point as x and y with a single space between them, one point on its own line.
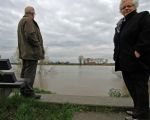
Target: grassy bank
19 108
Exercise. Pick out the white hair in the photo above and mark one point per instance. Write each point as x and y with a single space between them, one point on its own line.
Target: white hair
135 3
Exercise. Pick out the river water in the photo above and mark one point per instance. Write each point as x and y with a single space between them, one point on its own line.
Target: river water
78 80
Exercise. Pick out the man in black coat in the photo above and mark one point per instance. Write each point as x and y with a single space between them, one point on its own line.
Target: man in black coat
132 55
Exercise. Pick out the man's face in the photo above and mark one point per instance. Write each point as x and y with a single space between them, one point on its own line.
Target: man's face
127 7
32 13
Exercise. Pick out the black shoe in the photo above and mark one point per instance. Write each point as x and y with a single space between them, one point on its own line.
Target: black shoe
34 96
141 115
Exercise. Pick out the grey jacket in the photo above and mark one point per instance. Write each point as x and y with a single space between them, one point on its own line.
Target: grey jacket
30 42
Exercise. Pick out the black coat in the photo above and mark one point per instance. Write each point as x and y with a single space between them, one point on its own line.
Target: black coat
134 35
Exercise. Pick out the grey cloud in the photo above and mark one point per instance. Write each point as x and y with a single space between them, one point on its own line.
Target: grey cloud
69 27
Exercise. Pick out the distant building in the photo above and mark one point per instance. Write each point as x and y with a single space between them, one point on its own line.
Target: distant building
92 61
89 61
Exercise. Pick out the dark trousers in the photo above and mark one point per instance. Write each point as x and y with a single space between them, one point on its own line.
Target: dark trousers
137 85
28 71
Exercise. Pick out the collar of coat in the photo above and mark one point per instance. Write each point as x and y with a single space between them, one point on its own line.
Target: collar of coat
32 20
130 15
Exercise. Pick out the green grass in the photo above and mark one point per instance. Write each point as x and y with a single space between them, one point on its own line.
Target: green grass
19 108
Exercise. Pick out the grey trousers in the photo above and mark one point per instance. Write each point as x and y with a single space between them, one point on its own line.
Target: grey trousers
28 71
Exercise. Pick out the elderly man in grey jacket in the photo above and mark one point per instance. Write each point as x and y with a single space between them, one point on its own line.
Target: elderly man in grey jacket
30 44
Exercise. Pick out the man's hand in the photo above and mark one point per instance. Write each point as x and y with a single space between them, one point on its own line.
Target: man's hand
137 55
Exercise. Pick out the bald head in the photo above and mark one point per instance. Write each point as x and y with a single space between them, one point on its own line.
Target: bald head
29 10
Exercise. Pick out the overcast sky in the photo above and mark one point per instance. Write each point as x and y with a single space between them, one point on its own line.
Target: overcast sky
70 28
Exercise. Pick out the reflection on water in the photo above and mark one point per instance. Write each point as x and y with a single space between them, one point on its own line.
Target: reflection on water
78 80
